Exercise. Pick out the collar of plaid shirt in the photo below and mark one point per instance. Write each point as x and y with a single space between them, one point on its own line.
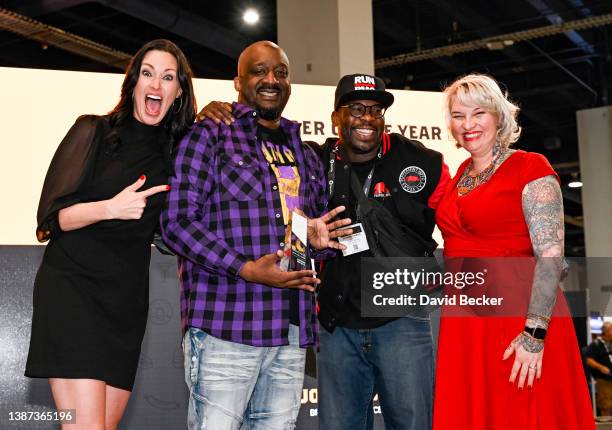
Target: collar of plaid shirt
224 209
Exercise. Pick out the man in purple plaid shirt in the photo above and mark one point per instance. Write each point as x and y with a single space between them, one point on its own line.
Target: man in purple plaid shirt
246 322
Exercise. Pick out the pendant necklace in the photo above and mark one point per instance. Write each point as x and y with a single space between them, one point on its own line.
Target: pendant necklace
469 182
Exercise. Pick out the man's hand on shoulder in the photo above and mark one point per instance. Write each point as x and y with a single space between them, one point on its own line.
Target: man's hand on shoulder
265 270
217 111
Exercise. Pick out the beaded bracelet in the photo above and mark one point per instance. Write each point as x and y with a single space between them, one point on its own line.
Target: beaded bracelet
538 317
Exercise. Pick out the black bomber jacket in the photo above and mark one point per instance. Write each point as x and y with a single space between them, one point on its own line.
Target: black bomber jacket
405 177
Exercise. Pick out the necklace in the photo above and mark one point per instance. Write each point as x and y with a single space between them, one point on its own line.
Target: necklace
469 182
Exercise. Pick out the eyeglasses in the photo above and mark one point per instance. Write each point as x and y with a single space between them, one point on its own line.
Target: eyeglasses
358 110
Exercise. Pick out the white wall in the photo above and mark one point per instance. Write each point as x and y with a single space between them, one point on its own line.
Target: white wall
39 106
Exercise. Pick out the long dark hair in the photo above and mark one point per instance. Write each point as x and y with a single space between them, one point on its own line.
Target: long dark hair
178 118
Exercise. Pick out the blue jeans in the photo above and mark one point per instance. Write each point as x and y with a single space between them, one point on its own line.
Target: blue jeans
234 386
394 360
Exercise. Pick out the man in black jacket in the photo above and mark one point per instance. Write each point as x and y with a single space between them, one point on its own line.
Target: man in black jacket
599 359
360 357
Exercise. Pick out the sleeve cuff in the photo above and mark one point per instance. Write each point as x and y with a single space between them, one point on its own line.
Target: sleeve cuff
236 266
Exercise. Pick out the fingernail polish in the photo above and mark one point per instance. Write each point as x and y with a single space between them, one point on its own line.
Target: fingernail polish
142 177
167 187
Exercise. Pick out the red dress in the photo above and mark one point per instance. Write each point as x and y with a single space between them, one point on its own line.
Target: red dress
472 389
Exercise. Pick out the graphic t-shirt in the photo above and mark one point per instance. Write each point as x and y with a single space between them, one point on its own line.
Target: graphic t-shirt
282 162
280 157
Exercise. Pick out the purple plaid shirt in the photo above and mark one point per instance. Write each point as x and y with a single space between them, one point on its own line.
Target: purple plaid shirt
224 209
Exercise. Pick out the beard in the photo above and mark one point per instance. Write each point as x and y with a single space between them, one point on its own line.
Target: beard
269 114
273 112
357 145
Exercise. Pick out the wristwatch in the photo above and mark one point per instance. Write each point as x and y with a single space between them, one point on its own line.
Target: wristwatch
536 332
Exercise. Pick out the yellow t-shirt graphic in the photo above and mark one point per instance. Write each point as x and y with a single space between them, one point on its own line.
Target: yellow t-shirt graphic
282 162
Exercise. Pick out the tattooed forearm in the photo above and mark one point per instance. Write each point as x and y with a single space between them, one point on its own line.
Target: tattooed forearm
543 210
544 291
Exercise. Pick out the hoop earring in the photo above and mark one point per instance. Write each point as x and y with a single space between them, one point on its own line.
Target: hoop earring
180 105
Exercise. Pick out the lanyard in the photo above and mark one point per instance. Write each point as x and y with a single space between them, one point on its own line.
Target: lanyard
335 156
368 182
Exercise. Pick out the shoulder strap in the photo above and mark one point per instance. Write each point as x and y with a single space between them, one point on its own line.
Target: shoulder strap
364 204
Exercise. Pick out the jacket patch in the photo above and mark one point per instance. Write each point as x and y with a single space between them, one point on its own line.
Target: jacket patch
412 179
380 190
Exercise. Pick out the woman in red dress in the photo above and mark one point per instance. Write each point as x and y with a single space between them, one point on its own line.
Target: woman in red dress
492 372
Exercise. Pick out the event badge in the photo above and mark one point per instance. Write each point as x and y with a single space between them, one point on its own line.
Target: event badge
355 242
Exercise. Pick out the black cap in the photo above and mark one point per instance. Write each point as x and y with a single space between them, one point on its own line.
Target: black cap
362 87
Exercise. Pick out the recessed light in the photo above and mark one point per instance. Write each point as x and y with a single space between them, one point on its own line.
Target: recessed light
251 16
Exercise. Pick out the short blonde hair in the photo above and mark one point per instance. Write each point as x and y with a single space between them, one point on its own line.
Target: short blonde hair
483 91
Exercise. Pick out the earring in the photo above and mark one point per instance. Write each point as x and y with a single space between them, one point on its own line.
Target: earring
180 105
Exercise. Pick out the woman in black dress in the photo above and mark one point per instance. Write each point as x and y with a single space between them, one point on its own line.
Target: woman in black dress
99 207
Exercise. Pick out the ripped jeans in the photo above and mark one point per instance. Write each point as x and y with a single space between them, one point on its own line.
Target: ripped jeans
241 387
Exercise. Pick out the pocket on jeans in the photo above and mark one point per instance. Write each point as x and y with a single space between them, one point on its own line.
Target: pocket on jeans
194 341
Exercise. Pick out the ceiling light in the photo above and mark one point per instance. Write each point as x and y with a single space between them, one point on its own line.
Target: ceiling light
251 16
495 45
575 184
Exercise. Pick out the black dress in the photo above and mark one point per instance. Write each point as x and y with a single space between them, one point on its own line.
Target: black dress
91 291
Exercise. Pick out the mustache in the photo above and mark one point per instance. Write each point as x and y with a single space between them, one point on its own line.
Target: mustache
268 87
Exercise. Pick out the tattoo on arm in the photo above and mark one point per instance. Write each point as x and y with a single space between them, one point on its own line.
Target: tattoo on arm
543 211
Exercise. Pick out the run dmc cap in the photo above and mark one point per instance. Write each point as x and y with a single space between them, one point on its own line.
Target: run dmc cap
361 87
